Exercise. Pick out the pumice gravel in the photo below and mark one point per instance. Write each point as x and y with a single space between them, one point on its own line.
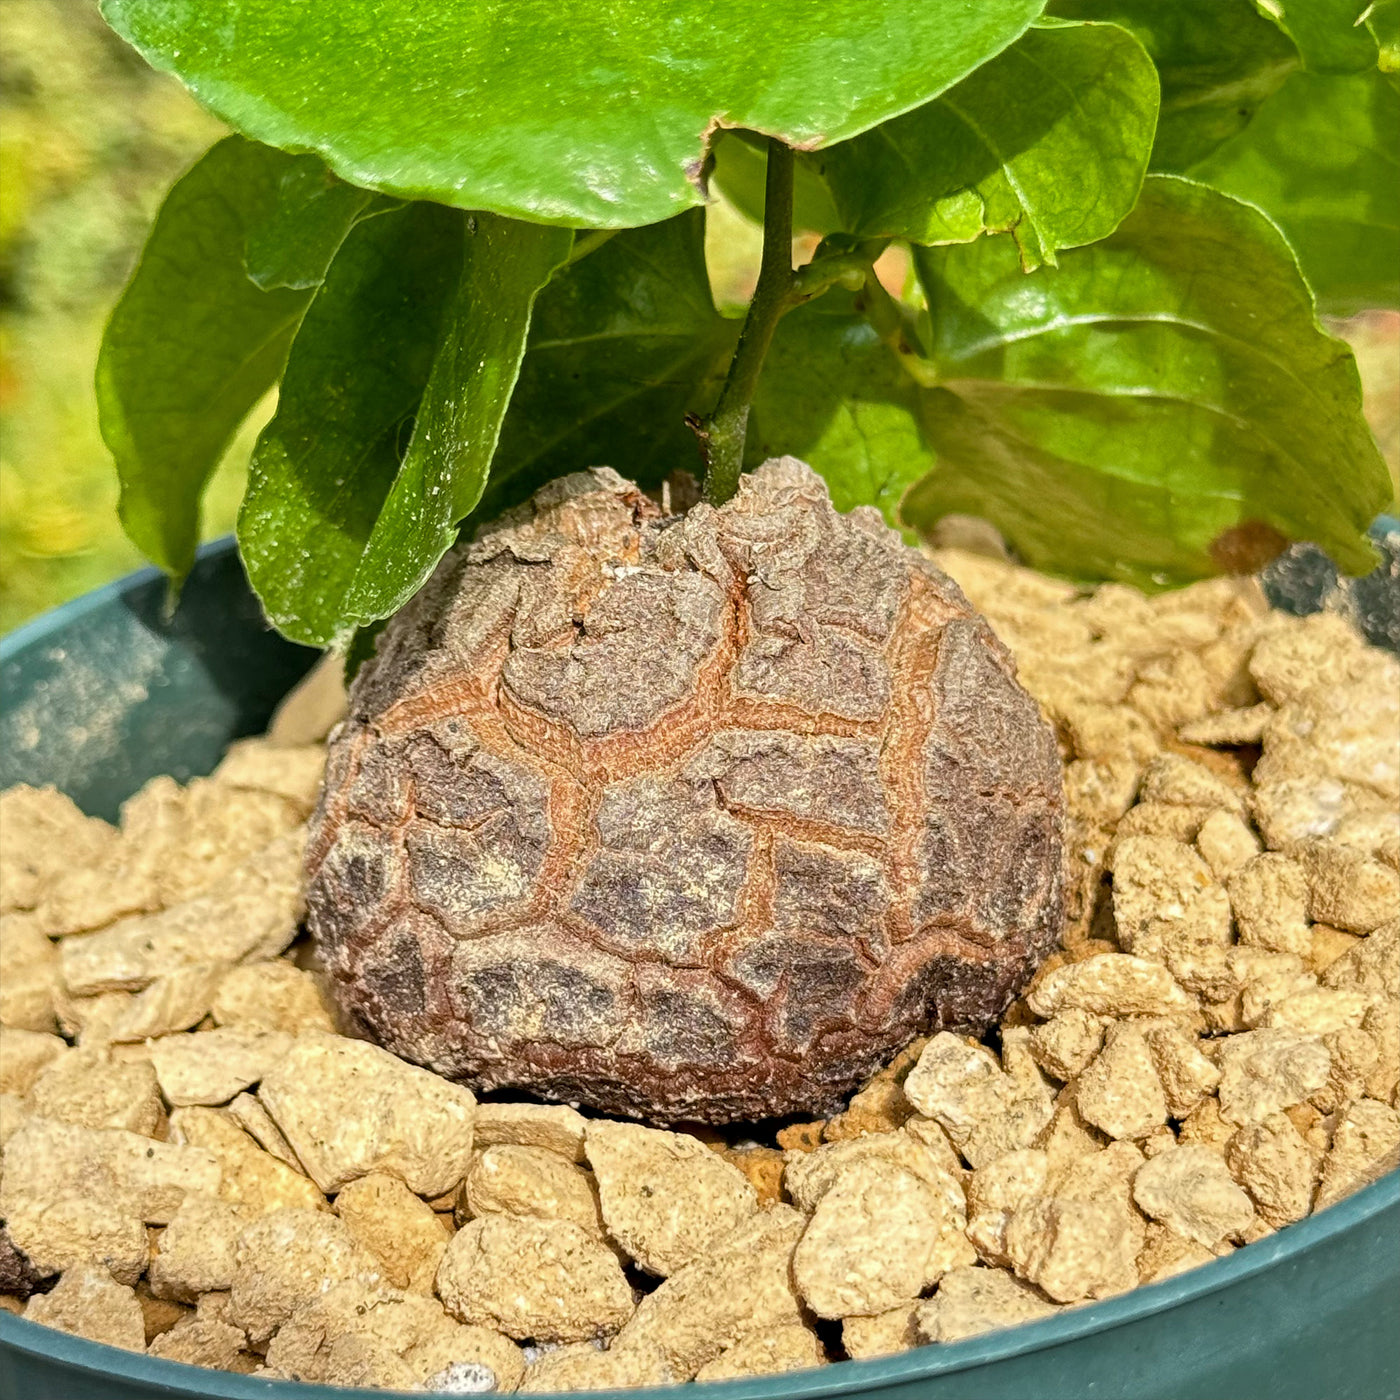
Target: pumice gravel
205 1160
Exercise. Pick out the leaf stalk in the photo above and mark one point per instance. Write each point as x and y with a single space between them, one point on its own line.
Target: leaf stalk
894 325
587 241
722 433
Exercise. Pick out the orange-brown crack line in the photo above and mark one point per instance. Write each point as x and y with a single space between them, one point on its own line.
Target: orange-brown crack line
329 820
755 910
810 830
882 992
669 741
749 711
336 820
671 736
913 659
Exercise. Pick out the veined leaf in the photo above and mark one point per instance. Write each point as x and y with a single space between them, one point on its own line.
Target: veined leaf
832 394
1322 159
1048 140
474 373
623 344
1331 35
558 111
1117 416
192 345
324 466
1217 60
313 211
388 415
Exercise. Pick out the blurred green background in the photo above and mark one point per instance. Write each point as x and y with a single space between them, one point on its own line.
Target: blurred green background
89 140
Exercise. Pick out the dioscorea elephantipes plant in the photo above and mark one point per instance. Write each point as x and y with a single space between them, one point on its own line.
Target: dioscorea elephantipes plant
706 814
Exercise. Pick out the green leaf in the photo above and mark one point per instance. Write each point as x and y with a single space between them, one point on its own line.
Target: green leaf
191 346
832 394
559 111
1383 20
351 502
1321 160
1118 416
1048 140
1217 60
1331 35
624 343
459 419
293 246
325 464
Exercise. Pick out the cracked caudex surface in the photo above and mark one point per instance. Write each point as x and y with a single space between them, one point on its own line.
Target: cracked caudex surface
699 817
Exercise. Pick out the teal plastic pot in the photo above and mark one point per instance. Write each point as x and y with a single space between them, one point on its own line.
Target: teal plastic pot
105 693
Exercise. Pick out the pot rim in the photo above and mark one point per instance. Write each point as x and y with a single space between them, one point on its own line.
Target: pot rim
844 1378
40 628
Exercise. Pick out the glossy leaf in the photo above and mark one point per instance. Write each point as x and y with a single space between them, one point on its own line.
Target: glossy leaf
191 346
832 394
561 111
388 415
444 471
624 343
1217 61
1122 415
1322 158
1331 35
1049 140
324 466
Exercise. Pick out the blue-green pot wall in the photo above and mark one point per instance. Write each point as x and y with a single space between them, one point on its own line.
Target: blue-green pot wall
100 695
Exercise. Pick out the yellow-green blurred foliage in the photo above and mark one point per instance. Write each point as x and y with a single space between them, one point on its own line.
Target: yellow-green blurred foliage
89 140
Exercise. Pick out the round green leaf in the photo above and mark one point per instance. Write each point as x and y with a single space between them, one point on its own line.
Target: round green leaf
558 111
389 413
324 467
1129 412
1049 140
192 345
1321 159
1217 61
310 217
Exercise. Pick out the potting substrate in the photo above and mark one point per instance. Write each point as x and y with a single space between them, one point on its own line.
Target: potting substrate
204 1160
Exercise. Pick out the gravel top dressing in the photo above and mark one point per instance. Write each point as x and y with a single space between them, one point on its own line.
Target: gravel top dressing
203 1160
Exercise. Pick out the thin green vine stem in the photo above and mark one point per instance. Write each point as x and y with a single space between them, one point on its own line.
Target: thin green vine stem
893 324
587 241
722 433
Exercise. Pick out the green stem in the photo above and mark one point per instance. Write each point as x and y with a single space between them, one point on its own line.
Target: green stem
827 270
587 241
892 324
723 432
